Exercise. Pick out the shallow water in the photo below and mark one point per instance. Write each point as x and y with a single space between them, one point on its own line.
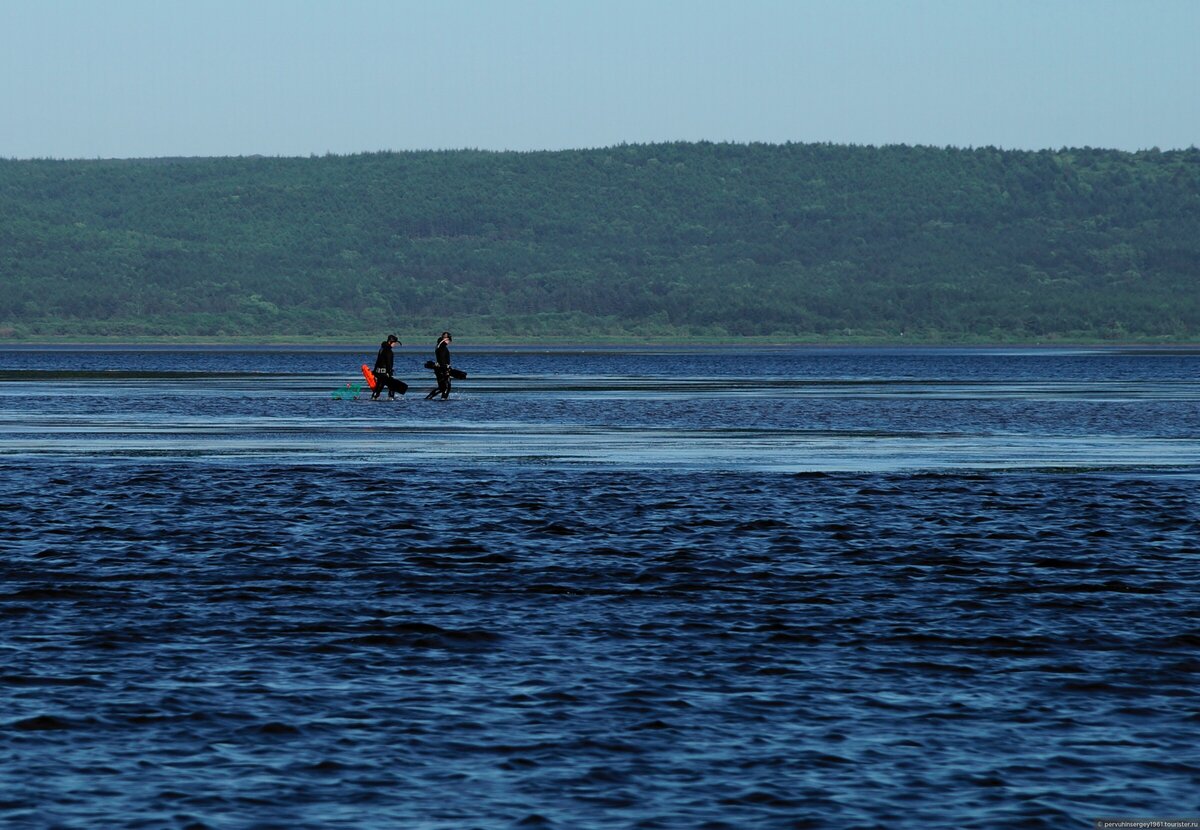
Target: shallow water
709 588
785 410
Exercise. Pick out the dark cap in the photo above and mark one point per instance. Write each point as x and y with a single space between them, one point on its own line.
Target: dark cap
393 338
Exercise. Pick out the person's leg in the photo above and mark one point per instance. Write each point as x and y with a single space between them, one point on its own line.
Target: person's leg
446 385
443 377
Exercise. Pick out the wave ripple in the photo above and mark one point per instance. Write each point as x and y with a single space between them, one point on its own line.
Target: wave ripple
237 644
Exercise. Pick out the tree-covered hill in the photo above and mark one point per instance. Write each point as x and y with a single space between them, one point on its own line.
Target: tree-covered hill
671 240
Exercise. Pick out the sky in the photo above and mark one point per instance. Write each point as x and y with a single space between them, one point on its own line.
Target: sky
155 78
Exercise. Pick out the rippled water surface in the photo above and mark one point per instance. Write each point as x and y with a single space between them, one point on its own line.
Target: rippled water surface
627 588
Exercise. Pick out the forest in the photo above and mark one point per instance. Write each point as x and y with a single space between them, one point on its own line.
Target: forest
683 241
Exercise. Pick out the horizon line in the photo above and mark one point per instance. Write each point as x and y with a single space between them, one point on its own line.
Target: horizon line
597 148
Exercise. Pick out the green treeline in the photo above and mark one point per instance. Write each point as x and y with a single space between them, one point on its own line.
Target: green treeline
804 241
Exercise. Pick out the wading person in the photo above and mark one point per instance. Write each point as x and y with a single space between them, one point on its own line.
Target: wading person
441 367
384 362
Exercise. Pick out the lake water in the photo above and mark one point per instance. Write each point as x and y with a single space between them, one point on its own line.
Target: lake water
656 588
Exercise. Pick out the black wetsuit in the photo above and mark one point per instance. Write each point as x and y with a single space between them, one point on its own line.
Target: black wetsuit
441 359
383 373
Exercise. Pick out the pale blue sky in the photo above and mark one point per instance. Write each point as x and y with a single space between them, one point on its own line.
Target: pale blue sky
137 78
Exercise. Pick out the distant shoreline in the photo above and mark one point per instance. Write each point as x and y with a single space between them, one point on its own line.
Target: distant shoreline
685 242
415 343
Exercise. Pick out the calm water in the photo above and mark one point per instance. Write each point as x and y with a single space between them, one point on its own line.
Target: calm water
630 588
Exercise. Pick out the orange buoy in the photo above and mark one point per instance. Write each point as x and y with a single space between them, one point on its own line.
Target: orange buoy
369 375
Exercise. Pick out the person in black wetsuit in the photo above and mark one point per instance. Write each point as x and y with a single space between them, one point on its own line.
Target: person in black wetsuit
441 359
383 371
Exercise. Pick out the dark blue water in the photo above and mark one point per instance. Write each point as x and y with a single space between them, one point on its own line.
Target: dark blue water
661 589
